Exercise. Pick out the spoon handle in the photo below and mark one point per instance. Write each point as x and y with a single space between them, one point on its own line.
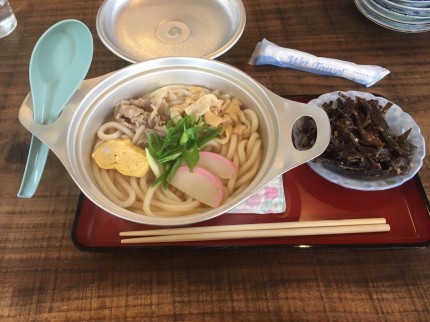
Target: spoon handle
34 168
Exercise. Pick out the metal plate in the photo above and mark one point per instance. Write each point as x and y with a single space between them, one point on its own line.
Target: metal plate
145 29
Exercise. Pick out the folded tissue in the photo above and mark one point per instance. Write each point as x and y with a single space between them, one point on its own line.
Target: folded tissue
269 199
268 53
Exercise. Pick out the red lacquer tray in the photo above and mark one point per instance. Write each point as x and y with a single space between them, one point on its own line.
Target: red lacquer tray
308 197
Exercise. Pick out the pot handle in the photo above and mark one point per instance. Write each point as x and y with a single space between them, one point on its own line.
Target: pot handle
289 112
54 134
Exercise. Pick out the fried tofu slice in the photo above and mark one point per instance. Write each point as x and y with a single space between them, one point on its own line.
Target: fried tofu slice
212 119
202 105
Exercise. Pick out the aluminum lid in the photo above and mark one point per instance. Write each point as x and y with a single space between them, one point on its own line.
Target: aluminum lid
145 29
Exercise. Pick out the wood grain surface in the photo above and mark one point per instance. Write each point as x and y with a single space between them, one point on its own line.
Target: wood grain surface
43 277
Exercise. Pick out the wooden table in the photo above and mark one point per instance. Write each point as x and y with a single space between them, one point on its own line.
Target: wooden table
45 278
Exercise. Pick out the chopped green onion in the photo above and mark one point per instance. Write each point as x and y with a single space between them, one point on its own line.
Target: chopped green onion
183 142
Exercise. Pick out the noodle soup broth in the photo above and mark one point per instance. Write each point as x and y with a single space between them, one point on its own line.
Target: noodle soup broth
239 142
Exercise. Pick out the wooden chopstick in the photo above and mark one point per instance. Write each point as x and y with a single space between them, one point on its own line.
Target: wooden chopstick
303 228
278 225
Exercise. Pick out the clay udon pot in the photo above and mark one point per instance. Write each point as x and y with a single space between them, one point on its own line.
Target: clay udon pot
73 134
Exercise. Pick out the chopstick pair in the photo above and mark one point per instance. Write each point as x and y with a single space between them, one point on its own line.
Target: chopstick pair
300 228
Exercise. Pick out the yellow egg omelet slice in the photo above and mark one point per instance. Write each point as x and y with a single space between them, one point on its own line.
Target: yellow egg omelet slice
122 155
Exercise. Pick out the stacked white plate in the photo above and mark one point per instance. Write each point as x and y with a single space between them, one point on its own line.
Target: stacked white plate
399 15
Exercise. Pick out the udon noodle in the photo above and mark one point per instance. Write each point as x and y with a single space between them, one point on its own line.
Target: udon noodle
240 144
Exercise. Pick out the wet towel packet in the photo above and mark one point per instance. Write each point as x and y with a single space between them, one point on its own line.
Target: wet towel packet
269 199
268 53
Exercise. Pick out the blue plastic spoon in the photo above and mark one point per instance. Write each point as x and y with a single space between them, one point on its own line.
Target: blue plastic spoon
58 65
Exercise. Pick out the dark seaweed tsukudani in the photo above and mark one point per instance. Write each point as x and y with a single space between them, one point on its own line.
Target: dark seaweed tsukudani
362 142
